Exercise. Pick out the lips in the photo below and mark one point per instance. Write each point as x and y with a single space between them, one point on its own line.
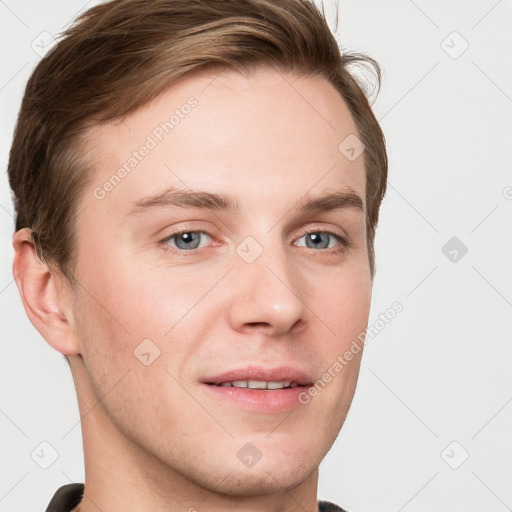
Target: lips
258 390
252 375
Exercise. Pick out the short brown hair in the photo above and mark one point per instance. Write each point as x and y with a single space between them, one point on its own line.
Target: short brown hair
121 54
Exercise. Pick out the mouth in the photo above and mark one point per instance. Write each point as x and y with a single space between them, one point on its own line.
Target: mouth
258 389
257 384
258 377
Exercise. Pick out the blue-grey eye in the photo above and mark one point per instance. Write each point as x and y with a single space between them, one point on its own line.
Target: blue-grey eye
188 240
320 240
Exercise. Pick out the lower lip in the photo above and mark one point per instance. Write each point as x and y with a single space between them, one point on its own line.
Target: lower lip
271 401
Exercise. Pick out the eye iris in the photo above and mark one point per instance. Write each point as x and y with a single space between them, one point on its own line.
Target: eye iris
190 240
316 238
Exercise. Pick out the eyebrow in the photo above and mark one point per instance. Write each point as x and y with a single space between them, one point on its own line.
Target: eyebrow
219 201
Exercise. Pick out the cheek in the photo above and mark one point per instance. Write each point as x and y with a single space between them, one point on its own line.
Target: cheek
128 304
110 321
342 305
342 302
128 313
115 365
104 338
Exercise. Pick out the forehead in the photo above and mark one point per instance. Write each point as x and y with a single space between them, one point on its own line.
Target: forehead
258 137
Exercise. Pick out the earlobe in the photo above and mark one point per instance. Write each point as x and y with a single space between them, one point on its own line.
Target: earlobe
47 307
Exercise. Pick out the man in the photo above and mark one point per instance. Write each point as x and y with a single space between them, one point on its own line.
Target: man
197 187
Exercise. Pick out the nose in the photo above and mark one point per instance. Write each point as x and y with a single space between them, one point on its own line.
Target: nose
268 295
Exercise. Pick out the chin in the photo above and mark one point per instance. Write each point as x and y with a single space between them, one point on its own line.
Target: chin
267 479
225 474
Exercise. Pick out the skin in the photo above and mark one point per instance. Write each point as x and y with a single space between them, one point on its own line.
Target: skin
152 438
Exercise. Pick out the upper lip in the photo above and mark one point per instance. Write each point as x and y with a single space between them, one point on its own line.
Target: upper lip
278 374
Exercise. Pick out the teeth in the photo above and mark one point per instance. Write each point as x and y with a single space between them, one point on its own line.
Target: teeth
278 385
259 384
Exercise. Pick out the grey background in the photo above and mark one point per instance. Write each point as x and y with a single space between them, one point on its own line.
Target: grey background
435 383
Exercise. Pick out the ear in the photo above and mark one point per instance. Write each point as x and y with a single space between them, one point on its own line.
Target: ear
46 297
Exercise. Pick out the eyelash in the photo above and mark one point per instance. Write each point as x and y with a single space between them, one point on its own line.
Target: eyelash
332 250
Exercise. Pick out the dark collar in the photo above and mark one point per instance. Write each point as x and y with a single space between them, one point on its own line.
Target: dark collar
66 498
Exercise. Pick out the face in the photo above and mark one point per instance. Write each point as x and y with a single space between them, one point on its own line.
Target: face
212 258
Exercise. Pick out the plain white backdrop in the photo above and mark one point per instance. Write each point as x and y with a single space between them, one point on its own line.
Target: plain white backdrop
429 428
